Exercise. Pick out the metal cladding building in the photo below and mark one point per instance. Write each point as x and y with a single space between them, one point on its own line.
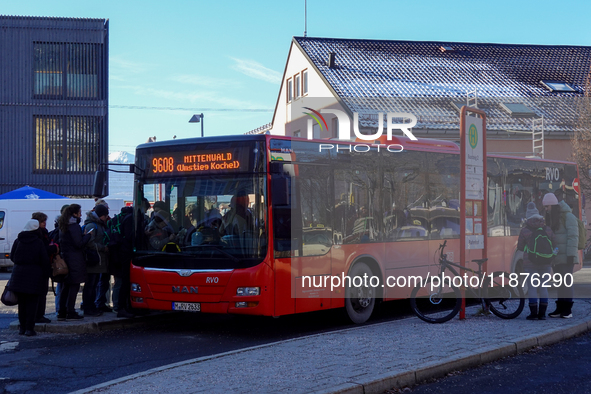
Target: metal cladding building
53 102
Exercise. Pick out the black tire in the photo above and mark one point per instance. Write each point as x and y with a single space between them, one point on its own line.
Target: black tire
505 301
435 304
360 301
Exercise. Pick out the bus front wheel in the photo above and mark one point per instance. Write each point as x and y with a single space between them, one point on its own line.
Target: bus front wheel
360 295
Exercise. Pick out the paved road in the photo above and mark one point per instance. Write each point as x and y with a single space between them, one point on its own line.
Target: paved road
560 368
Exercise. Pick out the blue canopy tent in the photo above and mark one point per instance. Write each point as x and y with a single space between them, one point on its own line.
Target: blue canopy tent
29 193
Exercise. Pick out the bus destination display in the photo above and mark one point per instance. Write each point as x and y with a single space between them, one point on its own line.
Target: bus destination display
176 163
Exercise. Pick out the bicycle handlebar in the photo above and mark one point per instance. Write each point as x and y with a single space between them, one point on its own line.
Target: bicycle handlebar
441 248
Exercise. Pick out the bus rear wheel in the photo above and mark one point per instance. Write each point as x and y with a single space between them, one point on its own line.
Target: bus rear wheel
360 300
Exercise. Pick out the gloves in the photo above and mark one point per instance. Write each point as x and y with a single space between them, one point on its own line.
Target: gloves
570 259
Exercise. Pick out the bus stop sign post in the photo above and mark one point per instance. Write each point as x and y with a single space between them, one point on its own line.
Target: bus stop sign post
473 187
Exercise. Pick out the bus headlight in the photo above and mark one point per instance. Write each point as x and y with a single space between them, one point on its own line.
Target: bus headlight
136 288
243 304
248 291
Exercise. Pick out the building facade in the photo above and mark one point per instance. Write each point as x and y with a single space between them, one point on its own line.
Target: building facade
53 102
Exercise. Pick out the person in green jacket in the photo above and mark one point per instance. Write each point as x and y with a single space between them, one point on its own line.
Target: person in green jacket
561 220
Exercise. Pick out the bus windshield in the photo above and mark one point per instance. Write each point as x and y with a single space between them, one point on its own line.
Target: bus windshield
206 221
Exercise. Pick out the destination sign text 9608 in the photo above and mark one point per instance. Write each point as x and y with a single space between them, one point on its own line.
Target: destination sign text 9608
194 163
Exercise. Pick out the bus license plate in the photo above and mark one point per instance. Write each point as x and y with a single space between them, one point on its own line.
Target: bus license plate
186 306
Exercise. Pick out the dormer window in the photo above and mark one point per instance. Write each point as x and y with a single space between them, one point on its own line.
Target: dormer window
558 86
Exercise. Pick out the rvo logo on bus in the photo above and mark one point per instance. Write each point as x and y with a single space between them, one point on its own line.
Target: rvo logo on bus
344 129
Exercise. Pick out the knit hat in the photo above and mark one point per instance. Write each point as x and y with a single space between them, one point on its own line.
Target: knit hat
31 225
550 199
101 210
532 212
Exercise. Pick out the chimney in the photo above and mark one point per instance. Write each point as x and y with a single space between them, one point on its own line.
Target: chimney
331 59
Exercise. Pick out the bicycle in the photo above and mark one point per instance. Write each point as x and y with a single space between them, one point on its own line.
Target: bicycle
438 299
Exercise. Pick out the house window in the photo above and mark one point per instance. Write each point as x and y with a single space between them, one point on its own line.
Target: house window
557 86
305 82
67 143
297 133
289 89
297 86
316 131
335 128
63 70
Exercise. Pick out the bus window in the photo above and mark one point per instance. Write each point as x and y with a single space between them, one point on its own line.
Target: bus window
406 212
215 216
2 213
316 221
496 213
443 195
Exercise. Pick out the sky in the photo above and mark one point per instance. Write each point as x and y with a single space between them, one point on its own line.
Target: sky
225 59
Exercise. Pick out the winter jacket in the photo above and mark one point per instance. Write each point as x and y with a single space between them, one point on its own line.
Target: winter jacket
567 236
50 246
72 246
97 242
527 232
31 264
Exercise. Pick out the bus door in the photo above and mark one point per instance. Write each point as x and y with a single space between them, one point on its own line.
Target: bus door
303 237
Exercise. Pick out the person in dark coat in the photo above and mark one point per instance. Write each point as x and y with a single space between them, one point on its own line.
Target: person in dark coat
73 242
95 225
52 250
29 275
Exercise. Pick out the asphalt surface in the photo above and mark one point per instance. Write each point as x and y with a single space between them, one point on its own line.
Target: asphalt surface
559 368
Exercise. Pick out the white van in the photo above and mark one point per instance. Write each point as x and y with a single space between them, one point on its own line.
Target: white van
14 214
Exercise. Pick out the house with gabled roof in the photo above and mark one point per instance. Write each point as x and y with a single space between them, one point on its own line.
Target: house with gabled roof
522 88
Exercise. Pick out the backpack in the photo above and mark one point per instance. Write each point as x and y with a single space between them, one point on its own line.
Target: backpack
54 235
115 234
582 232
91 255
539 247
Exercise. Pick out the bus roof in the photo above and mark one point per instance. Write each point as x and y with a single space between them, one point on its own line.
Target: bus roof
423 144
199 140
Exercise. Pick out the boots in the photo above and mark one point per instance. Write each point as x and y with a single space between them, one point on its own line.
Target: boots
542 311
533 308
567 310
558 311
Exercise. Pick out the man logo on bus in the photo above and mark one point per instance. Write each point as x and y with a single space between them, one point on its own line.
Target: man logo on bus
344 128
473 136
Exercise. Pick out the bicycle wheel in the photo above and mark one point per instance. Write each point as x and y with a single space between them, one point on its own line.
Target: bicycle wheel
505 301
434 302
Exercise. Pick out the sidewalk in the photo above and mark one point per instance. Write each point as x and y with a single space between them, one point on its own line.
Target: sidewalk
107 321
366 359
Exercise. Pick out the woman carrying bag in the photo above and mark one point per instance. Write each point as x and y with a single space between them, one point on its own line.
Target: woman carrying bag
31 271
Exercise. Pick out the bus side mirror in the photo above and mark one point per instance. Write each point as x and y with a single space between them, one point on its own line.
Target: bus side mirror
99 188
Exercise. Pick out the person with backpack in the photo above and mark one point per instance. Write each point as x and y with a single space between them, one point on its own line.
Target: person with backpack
565 225
120 233
73 242
95 225
536 240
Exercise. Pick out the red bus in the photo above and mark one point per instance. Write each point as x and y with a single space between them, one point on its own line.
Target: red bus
241 222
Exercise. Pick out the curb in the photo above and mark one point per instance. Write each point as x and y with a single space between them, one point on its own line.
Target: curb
89 326
442 367
400 378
